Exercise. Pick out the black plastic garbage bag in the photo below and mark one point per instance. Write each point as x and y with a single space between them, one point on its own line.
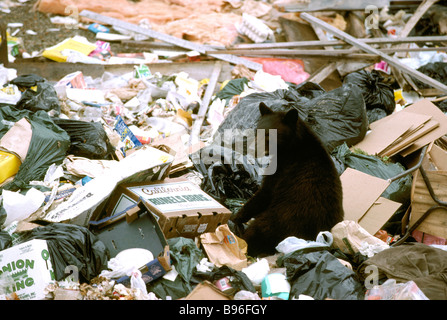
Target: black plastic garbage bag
399 190
336 116
49 144
87 139
37 94
376 93
72 245
435 70
185 256
246 114
321 275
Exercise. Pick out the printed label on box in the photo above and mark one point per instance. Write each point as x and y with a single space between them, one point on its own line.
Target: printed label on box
180 196
30 267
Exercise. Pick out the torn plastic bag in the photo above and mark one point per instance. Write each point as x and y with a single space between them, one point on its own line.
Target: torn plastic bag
376 93
336 116
185 256
72 246
321 275
226 173
232 88
435 70
87 139
398 190
49 144
37 94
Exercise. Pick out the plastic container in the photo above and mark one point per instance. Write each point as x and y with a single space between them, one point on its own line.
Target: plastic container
9 165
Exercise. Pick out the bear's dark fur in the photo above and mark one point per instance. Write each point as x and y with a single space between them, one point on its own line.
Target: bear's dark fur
302 197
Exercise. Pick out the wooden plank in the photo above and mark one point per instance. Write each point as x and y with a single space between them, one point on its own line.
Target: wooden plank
301 53
168 38
332 43
195 131
367 48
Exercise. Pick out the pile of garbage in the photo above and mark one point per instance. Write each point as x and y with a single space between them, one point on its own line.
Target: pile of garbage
123 186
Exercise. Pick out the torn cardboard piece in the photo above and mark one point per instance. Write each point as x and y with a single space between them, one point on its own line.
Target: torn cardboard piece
362 201
207 291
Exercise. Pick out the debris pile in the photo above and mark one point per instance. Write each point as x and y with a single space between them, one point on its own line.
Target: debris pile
129 148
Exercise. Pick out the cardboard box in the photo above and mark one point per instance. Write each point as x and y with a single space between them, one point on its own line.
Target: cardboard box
29 264
180 207
207 291
135 228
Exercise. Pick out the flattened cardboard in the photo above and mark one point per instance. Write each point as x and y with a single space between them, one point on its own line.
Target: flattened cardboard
415 139
379 213
428 108
180 207
408 143
360 192
388 130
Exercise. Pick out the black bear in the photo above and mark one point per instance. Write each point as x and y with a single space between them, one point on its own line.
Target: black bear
304 194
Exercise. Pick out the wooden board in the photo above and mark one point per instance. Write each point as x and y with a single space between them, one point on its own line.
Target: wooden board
436 223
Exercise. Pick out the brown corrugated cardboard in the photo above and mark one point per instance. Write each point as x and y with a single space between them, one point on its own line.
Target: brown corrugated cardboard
360 192
207 291
181 208
362 202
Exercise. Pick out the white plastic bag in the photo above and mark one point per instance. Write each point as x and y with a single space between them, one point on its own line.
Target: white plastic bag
257 271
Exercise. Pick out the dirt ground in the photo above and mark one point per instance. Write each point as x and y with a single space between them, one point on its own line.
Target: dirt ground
41 24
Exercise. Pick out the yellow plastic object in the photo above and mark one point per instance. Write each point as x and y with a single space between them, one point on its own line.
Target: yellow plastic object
9 165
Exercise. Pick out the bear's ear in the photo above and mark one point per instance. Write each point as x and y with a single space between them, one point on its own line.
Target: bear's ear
264 109
291 117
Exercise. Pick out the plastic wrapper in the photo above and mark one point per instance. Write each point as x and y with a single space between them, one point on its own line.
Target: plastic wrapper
87 139
390 290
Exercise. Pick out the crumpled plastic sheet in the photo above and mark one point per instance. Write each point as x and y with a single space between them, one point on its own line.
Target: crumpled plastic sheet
320 275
